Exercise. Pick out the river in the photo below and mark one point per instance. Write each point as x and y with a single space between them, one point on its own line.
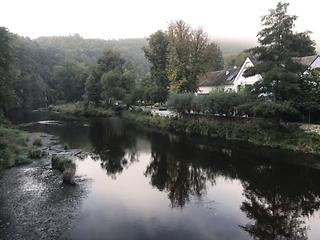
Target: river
145 184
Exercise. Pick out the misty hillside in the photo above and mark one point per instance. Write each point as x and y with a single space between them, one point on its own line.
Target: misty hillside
89 50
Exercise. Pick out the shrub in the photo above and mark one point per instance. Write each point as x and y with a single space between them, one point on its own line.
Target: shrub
60 163
37 142
181 102
66 166
22 161
36 153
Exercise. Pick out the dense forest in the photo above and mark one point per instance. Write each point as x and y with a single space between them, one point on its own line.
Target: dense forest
48 70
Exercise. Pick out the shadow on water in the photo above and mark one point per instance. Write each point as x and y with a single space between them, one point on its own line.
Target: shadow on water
279 195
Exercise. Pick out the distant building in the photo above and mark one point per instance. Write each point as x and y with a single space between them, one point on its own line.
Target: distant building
233 79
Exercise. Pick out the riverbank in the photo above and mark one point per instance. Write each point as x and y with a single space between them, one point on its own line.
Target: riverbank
13 145
260 132
79 109
34 202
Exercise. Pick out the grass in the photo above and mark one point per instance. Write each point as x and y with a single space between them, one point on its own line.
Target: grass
261 132
79 109
13 146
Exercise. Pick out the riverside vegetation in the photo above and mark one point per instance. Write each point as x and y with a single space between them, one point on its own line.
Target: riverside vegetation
13 146
177 57
257 131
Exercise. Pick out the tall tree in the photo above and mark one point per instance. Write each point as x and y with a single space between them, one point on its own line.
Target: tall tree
213 57
179 55
157 54
190 54
93 88
278 47
5 61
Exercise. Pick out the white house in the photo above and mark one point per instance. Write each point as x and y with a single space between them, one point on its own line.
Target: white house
233 79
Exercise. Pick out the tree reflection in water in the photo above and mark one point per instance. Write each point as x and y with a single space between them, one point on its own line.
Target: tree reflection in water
114 144
278 199
278 196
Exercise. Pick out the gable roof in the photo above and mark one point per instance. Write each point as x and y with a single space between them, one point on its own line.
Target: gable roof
307 61
219 78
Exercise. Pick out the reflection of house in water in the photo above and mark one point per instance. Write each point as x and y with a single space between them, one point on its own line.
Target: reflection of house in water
233 79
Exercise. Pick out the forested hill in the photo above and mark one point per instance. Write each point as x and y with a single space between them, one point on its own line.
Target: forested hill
88 51
48 69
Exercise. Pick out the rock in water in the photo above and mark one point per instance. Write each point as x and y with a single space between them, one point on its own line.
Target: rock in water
69 173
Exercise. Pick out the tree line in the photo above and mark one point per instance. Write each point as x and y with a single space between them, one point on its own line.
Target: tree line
36 73
49 70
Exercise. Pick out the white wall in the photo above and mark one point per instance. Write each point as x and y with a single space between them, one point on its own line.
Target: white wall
241 80
316 63
205 90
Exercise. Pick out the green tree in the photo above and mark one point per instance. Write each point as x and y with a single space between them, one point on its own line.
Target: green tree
213 57
278 47
112 79
5 61
179 52
71 77
93 88
157 54
190 55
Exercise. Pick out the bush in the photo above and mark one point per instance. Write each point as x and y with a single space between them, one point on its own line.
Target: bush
66 166
60 163
22 161
36 153
37 142
181 102
12 144
217 102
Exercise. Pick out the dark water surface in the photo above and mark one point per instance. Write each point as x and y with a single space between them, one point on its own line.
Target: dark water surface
148 185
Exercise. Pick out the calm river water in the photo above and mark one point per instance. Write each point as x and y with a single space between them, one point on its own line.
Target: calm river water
150 185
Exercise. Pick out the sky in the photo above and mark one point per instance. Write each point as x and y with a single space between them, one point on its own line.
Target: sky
114 19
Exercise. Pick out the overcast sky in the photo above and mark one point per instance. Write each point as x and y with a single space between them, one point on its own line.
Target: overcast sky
139 18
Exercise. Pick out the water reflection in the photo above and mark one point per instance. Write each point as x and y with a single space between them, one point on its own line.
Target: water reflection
278 200
114 145
173 169
278 197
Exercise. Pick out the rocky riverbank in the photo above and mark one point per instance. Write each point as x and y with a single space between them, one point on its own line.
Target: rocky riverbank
34 202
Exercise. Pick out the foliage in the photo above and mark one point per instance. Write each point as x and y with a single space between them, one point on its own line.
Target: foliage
181 102
111 80
5 61
80 109
13 145
218 102
35 153
257 131
60 163
278 46
157 54
190 55
178 57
